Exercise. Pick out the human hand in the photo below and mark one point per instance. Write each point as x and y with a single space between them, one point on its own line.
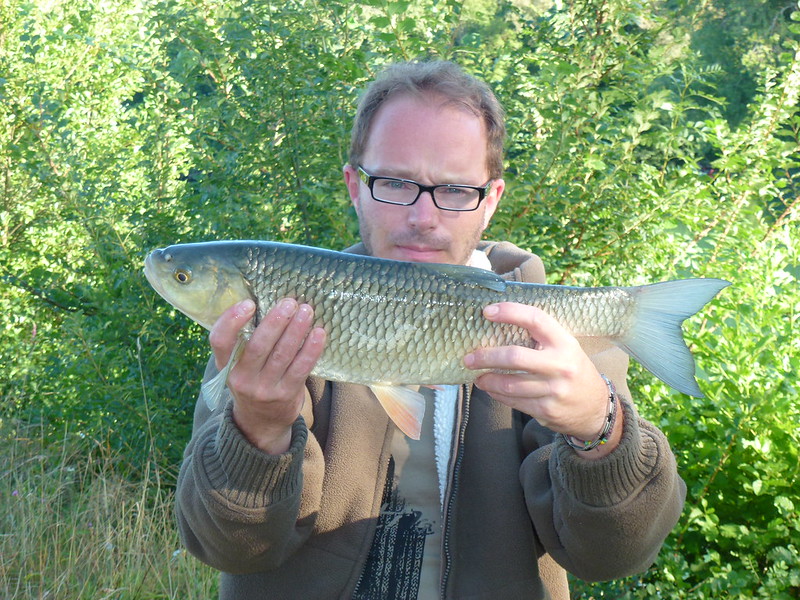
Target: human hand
556 382
268 381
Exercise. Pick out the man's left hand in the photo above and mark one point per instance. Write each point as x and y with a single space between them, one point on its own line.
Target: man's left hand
556 382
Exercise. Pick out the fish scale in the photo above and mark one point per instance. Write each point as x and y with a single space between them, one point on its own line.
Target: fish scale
392 323
402 323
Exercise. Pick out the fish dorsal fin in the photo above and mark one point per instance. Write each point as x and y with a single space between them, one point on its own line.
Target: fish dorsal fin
467 275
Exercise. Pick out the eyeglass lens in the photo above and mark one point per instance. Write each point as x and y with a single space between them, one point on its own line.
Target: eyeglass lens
446 196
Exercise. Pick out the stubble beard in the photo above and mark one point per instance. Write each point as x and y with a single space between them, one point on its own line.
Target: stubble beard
461 249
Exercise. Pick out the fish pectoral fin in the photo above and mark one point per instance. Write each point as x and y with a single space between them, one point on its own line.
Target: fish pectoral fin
212 390
405 406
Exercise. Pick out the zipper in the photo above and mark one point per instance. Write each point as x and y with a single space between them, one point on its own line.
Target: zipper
453 489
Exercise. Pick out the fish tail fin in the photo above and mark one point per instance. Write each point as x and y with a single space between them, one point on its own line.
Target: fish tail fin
405 406
656 339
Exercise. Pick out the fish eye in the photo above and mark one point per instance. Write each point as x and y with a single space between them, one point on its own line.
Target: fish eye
182 275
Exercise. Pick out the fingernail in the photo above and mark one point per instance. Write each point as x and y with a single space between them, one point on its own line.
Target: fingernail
287 306
246 307
317 335
304 312
491 310
469 360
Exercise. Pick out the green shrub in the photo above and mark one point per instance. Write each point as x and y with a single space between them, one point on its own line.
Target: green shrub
129 125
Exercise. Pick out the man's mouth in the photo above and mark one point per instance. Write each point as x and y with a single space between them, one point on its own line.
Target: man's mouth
420 248
417 252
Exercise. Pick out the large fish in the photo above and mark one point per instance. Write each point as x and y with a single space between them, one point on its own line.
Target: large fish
392 325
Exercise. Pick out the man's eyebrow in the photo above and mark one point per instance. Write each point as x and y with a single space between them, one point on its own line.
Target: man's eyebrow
397 173
400 173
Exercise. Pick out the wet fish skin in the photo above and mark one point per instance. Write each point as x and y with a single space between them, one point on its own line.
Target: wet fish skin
392 323
407 323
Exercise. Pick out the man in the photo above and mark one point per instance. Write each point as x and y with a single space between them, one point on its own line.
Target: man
303 488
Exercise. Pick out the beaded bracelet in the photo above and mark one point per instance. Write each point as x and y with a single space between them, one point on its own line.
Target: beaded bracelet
608 426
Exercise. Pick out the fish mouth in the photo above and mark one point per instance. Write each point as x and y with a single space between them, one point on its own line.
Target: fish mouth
151 271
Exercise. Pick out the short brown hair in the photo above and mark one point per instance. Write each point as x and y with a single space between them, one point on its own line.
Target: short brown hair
440 77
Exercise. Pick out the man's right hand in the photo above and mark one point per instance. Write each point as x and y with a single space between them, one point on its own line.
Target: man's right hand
268 381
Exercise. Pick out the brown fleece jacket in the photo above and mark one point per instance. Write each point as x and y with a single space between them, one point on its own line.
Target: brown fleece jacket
524 506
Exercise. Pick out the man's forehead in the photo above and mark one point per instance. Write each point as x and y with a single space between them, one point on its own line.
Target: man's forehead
429 99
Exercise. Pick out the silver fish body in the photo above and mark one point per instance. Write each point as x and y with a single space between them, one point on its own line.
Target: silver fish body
392 323
399 323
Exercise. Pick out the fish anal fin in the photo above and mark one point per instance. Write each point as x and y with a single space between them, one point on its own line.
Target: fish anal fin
405 407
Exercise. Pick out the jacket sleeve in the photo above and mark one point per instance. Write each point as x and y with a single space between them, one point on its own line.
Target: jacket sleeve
239 509
603 519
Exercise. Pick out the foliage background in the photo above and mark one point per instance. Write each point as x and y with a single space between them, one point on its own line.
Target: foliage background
646 141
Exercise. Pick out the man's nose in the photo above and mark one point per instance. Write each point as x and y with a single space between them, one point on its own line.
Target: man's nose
423 213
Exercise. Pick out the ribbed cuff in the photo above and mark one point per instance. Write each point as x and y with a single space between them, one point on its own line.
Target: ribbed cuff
610 480
248 477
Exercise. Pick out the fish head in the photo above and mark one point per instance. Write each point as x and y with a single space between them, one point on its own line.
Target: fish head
200 280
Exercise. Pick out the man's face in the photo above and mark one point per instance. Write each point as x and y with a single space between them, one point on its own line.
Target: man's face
427 141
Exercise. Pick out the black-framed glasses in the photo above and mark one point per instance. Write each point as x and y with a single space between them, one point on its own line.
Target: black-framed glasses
405 192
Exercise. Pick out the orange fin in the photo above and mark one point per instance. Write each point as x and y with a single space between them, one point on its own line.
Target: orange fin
405 406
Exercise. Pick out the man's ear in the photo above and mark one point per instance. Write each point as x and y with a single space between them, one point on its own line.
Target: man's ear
492 200
353 183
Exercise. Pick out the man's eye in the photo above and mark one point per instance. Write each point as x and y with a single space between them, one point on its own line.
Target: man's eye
390 184
454 191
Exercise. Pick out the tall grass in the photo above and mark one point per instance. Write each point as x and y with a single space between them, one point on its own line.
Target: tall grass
74 527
